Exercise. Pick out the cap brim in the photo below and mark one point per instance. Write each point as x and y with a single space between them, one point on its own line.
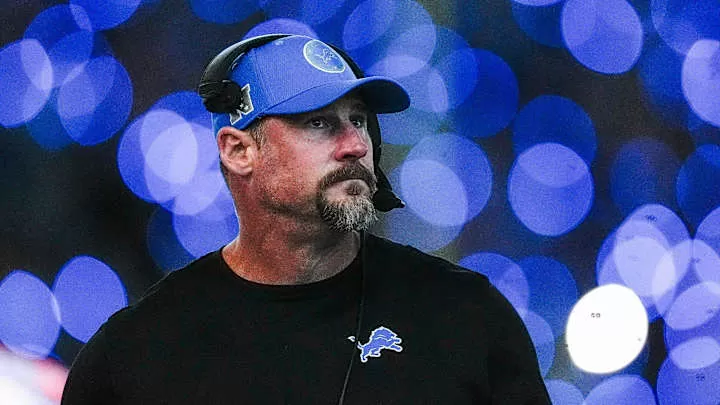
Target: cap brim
380 94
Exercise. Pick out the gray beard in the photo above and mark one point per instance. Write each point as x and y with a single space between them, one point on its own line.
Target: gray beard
354 214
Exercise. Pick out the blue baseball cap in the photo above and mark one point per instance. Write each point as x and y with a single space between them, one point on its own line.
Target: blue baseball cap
298 74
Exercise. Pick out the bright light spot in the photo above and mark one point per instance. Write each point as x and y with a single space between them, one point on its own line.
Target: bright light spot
15 393
606 329
88 291
701 80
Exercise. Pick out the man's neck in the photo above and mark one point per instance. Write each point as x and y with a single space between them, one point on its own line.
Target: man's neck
285 254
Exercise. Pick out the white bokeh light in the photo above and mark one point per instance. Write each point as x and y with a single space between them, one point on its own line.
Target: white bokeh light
607 329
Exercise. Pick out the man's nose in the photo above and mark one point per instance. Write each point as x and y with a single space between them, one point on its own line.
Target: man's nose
353 143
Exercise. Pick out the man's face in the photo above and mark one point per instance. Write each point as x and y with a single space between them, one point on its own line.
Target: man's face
319 165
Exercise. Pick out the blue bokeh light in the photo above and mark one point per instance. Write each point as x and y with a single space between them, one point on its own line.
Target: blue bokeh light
168 151
26 80
188 105
649 252
493 103
408 52
103 15
284 25
622 390
547 274
604 35
458 69
543 339
95 103
677 386
540 20
131 155
29 320
370 21
446 179
506 275
224 11
555 119
209 229
700 80
643 172
313 12
163 246
434 192
46 129
563 393
67 44
88 291
695 353
681 23
707 247
694 307
705 260
659 72
698 183
406 227
550 189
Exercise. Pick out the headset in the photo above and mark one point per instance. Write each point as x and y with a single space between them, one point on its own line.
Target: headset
222 95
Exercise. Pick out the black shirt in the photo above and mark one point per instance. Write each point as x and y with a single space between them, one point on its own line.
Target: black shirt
431 333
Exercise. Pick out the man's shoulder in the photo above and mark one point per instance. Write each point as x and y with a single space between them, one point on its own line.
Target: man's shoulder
172 293
411 264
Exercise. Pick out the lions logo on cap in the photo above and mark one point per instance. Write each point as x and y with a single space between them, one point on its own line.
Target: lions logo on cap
322 57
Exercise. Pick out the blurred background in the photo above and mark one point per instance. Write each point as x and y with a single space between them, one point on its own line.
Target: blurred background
568 149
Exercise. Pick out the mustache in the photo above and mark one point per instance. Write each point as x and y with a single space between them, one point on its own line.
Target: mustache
350 172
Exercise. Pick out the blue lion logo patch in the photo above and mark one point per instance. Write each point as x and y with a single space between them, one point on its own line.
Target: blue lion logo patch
322 57
381 338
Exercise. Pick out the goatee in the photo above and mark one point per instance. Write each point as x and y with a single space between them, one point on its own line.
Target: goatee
354 213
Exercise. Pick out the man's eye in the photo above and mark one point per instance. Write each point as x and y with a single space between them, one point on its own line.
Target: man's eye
359 122
318 123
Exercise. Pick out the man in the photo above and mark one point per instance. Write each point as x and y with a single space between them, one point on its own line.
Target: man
305 307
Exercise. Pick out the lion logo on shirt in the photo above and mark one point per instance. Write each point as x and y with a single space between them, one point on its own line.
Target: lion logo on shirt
381 338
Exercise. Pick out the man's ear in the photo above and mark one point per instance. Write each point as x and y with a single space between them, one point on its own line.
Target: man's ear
238 150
